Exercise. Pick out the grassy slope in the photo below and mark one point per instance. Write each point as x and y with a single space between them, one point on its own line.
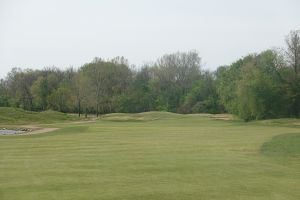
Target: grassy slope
158 156
19 116
283 145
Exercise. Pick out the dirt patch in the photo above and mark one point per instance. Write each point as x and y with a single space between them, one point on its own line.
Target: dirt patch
222 117
35 129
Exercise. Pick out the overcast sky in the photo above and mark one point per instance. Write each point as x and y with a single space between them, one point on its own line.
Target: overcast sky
40 33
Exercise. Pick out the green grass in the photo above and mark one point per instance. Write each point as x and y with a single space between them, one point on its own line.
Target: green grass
281 122
145 156
19 116
140 117
283 145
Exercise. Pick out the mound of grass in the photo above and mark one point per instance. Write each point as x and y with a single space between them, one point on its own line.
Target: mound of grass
283 145
20 116
225 117
157 115
140 117
280 122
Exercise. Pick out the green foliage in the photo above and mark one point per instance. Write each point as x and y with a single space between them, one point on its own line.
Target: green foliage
202 98
257 91
4 99
60 99
253 87
257 86
107 82
40 89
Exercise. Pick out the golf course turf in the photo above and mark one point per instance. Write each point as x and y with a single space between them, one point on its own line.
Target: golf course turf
161 156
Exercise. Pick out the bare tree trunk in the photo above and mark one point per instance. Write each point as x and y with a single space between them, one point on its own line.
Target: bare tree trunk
293 55
79 108
97 109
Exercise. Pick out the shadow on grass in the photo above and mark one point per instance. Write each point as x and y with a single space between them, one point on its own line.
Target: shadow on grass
282 145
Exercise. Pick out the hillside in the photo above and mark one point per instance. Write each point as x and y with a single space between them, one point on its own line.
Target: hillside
20 116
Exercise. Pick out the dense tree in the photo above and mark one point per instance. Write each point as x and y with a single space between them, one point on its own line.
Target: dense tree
107 80
59 99
257 86
20 83
203 97
173 76
293 59
259 95
40 92
4 98
293 50
140 96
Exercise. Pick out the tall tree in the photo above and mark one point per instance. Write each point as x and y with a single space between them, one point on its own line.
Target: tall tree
203 97
293 50
4 97
40 92
174 75
293 58
108 80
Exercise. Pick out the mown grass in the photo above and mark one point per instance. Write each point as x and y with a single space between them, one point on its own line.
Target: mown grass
163 156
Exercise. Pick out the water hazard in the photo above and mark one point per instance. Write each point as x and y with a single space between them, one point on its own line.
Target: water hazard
10 132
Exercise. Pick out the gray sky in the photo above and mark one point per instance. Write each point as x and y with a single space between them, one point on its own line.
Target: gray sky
37 33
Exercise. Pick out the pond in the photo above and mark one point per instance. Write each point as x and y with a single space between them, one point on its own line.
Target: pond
10 132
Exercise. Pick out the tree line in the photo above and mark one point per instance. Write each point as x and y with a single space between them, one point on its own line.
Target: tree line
258 86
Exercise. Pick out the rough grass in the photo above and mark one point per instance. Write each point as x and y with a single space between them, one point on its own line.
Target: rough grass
166 157
140 117
19 116
156 115
281 122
